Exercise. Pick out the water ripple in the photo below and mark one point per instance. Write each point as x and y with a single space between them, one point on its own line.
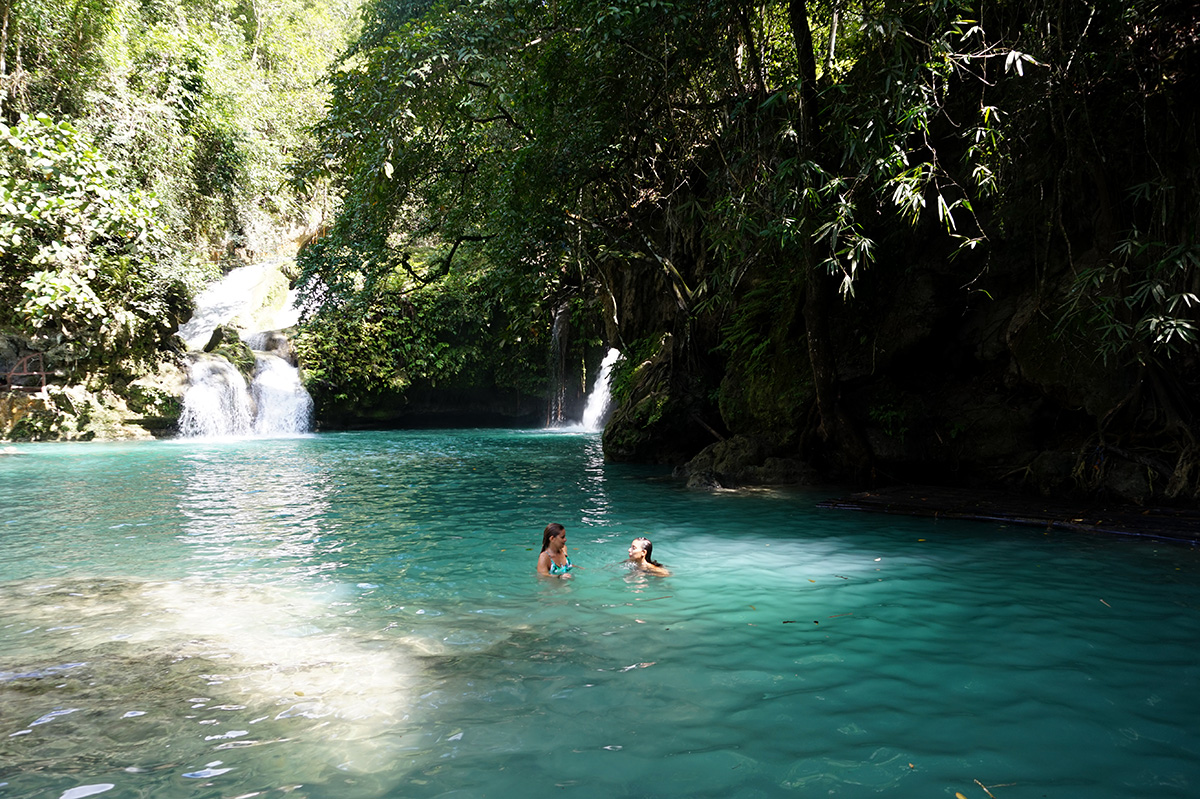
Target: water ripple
358 613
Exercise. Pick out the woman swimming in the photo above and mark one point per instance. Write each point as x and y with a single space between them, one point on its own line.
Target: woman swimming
641 555
553 562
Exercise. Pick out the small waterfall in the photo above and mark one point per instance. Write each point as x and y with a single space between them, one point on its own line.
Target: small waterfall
598 401
284 407
556 408
217 403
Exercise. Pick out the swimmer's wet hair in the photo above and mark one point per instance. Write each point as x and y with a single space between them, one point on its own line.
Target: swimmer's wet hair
649 547
552 529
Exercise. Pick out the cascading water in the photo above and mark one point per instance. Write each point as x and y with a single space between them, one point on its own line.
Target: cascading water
284 407
598 401
218 402
556 408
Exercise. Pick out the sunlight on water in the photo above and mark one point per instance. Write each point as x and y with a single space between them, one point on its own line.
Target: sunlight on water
356 615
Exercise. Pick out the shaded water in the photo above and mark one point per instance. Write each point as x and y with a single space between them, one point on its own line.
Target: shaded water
357 615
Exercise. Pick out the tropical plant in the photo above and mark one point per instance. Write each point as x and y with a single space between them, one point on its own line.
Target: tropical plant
452 332
203 102
71 234
680 144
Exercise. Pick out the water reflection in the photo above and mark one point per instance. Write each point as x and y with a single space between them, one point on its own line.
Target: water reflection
597 510
241 511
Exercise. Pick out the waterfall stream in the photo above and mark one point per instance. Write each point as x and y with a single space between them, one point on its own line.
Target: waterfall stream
218 403
595 412
284 407
556 413
601 396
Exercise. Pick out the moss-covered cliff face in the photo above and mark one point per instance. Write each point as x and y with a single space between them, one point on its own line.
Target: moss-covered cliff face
949 383
102 406
1058 352
659 418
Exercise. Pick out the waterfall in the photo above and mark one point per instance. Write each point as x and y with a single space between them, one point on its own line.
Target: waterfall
556 408
284 407
218 402
598 400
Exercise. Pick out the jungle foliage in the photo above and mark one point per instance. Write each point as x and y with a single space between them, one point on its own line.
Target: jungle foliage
459 331
82 255
731 174
203 102
146 143
577 141
744 196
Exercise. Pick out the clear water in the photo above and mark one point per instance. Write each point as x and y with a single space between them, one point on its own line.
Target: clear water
357 615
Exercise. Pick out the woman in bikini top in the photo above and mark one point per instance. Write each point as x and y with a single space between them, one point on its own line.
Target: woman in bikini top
553 560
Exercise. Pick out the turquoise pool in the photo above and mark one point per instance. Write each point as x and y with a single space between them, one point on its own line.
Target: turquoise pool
357 615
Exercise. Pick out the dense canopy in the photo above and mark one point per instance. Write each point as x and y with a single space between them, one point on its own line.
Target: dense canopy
745 197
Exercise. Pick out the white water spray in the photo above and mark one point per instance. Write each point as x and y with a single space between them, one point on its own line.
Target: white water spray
598 401
218 403
284 407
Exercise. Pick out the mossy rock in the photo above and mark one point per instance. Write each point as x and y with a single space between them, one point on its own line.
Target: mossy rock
67 413
768 397
227 343
657 418
1063 363
744 461
152 401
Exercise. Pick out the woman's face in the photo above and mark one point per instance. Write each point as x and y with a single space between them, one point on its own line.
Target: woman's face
637 551
559 541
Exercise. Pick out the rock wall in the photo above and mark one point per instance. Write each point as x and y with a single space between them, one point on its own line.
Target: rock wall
69 413
101 406
954 375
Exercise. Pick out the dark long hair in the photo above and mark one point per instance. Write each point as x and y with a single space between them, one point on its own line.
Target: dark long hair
552 529
649 552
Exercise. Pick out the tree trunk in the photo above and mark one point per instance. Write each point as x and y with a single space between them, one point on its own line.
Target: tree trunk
833 32
802 36
3 63
840 439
